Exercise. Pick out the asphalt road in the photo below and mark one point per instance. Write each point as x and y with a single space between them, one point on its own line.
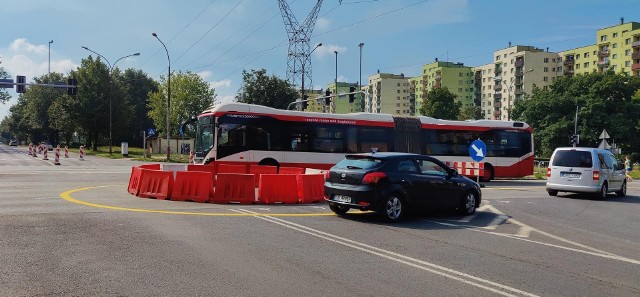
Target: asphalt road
73 230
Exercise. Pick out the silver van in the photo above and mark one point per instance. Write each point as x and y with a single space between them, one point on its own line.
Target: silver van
585 170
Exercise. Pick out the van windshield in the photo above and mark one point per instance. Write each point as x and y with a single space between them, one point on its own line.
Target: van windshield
572 159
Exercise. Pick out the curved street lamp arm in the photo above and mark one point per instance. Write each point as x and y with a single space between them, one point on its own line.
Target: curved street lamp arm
105 59
116 62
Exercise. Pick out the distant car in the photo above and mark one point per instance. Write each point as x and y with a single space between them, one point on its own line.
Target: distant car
394 183
48 145
585 170
13 142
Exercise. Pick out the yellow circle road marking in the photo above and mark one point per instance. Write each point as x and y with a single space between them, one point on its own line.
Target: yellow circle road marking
67 196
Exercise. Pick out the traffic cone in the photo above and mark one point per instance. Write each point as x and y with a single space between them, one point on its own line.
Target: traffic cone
82 153
30 145
44 157
66 151
34 151
57 159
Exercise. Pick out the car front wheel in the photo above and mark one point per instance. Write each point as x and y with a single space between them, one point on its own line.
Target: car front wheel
468 204
338 209
392 209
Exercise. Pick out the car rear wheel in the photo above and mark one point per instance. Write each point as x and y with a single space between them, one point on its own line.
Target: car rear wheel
602 194
338 209
468 203
623 190
392 209
552 192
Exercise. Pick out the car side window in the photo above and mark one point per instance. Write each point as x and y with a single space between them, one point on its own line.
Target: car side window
615 165
431 168
407 166
604 163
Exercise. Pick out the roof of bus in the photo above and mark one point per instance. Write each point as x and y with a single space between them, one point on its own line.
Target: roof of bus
251 108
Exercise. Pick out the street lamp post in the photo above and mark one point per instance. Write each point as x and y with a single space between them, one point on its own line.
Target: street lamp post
509 95
306 57
360 79
111 67
168 94
336 82
50 42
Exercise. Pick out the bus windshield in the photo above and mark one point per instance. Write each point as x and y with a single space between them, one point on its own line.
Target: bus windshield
204 135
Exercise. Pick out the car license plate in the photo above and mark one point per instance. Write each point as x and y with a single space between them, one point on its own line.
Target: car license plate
342 198
570 175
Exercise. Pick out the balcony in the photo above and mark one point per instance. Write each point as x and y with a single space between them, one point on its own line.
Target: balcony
437 77
635 67
603 63
497 87
519 63
569 62
603 53
519 92
496 113
498 69
498 78
497 96
519 81
497 104
635 55
636 43
568 71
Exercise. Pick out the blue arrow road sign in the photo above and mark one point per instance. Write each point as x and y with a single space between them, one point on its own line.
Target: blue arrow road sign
477 150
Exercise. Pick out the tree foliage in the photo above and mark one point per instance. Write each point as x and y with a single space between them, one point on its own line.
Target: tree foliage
440 103
261 89
190 96
137 86
606 101
470 113
4 95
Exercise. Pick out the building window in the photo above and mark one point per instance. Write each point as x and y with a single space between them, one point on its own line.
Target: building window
615 34
603 38
577 66
615 45
627 41
586 55
586 65
627 52
615 56
577 56
459 90
398 91
498 57
615 67
546 69
546 60
627 63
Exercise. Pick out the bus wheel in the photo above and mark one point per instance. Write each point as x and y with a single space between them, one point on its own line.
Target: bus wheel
269 162
489 174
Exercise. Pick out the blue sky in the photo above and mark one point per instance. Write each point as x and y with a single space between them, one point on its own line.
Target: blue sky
220 38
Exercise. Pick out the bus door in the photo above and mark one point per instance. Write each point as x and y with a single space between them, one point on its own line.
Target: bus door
407 135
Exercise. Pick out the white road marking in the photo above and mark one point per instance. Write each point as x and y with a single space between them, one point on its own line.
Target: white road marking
413 262
497 221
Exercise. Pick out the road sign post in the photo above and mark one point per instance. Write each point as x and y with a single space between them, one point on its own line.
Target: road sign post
477 151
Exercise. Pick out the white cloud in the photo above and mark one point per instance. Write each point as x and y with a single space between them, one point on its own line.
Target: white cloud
220 84
226 98
21 45
322 24
342 78
205 74
328 49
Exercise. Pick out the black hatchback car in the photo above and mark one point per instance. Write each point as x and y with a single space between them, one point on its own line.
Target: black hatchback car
393 183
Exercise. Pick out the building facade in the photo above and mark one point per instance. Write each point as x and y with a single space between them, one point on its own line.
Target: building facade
389 93
454 76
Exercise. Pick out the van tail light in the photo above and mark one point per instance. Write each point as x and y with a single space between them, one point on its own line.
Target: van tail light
596 175
373 177
548 171
327 175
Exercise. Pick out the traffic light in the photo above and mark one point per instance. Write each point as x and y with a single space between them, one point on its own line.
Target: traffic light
352 97
574 139
72 89
21 80
327 97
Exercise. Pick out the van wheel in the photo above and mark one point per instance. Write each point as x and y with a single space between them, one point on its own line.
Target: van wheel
602 194
269 162
623 190
552 192
489 174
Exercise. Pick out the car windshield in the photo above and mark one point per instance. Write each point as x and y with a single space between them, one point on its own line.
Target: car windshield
571 158
358 162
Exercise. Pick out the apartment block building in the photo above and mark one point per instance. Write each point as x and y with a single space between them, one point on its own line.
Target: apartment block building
513 73
389 93
454 76
617 48
341 104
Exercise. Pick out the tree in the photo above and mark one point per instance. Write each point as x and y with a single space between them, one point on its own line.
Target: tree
470 113
258 88
440 103
138 86
606 101
190 96
35 109
4 95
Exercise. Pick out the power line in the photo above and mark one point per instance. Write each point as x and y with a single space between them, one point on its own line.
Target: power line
180 32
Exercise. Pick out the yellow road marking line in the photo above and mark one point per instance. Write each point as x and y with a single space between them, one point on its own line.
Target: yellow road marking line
67 196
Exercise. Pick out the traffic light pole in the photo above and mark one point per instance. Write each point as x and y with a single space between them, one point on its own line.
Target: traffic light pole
325 97
6 84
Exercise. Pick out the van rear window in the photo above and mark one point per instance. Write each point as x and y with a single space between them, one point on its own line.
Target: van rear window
573 159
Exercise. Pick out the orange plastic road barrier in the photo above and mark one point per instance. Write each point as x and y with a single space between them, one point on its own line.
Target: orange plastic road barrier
204 168
291 170
234 188
134 181
155 184
257 170
194 186
150 166
310 188
229 168
277 188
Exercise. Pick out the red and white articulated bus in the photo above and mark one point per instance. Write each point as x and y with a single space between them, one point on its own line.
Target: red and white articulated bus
245 133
